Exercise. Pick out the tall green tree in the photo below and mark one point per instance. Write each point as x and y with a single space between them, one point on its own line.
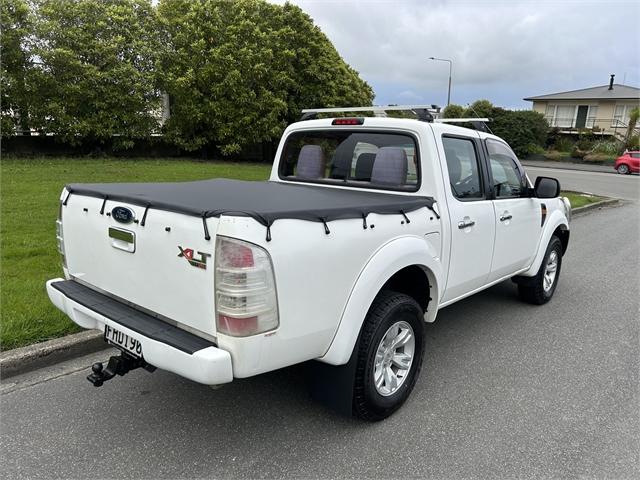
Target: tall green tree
95 76
634 116
479 108
321 78
15 29
453 111
238 72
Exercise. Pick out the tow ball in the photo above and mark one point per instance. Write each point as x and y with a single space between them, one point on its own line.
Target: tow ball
117 365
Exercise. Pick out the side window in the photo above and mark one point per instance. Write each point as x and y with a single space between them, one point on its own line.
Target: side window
462 163
508 181
635 155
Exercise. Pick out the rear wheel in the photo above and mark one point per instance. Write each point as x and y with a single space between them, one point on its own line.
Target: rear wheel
539 289
390 353
623 169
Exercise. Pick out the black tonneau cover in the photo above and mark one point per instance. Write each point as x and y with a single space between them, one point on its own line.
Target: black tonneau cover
266 202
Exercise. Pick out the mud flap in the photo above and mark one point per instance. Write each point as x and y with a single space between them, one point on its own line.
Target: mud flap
332 385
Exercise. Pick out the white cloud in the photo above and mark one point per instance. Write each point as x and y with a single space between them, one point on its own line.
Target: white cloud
502 50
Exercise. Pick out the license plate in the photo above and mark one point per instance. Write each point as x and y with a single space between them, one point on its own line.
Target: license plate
123 341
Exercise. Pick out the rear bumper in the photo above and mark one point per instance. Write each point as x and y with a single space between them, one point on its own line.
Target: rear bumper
164 346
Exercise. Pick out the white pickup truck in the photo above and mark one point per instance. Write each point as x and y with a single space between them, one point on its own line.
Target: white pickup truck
365 229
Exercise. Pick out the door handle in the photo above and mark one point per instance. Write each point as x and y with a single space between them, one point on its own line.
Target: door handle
465 224
504 218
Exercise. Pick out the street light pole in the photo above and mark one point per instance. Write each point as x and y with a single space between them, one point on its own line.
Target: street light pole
450 68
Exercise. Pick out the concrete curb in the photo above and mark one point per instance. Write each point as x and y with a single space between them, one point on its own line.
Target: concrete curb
593 206
25 359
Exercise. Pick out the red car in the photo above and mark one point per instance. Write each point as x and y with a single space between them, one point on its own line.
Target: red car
629 162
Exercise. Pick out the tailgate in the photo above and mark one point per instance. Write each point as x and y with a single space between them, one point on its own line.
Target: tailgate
164 267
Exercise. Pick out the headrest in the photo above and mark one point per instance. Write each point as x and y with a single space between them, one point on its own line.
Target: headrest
390 167
311 162
454 165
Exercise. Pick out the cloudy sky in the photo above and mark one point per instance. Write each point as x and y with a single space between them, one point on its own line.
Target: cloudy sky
501 50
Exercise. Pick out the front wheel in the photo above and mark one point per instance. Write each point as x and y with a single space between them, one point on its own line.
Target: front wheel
539 289
390 353
623 169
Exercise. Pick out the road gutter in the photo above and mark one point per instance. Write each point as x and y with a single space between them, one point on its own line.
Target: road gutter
32 357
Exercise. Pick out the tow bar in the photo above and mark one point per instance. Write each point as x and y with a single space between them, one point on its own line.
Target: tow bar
117 365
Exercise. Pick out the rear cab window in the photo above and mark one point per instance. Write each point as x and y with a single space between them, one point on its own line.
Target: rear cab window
463 167
366 159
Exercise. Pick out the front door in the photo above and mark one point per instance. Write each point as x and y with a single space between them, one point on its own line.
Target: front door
471 216
581 117
517 217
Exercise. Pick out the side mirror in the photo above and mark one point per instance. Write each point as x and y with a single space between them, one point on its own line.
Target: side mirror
546 187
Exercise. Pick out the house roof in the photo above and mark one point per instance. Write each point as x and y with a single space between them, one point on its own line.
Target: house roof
618 92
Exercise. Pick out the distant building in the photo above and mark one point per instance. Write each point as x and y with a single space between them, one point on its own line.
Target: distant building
604 109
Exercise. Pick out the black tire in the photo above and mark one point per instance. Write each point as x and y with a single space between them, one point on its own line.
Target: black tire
532 290
623 169
387 309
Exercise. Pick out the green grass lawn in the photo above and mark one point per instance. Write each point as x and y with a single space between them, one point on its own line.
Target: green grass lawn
581 199
30 189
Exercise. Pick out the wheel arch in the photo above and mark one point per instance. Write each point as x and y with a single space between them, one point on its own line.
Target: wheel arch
557 224
395 265
415 280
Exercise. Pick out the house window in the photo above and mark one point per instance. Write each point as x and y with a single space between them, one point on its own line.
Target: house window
560 115
591 116
618 115
565 115
621 115
550 114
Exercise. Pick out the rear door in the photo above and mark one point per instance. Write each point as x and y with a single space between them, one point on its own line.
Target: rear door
517 217
471 215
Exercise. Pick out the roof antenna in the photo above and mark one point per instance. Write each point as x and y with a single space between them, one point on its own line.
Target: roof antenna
479 125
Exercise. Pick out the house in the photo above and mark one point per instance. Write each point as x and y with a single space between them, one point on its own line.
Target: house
604 109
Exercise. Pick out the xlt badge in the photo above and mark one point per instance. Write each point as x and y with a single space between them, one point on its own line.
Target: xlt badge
200 262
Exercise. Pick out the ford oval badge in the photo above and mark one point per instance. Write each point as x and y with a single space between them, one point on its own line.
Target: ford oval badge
122 214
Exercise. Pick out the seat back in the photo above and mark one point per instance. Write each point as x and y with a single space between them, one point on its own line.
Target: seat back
340 166
454 165
390 167
311 162
364 166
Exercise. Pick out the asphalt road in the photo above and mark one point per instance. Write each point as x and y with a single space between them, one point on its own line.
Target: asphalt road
599 183
507 390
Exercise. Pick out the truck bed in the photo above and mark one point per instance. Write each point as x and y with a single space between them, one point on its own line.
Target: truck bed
266 201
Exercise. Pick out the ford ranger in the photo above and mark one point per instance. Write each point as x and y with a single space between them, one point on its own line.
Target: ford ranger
366 227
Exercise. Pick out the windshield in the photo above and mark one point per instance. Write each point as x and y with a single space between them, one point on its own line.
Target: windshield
354 158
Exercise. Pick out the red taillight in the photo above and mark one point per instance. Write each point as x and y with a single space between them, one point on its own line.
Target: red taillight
238 327
237 256
348 121
246 302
